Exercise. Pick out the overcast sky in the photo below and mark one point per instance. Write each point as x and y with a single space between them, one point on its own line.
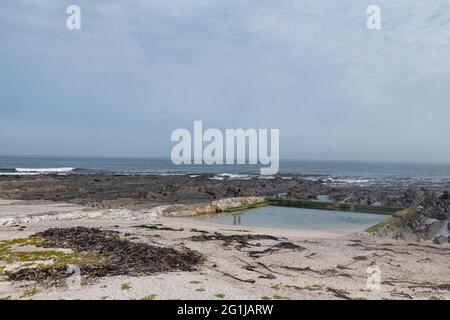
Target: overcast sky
139 69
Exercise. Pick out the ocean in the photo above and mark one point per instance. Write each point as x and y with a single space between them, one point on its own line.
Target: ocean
356 172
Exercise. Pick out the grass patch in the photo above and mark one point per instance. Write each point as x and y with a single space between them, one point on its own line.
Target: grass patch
274 297
220 295
200 289
126 286
380 225
149 297
314 287
195 282
276 287
29 293
398 219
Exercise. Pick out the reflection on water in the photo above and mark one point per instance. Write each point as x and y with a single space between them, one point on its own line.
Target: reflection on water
237 219
298 218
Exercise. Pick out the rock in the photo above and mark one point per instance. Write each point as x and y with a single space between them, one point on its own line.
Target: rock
228 203
441 216
445 195
441 239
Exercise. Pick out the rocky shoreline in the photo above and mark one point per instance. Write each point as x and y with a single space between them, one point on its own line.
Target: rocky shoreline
125 196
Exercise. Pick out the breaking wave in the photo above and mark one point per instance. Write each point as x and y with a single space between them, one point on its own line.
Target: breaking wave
35 171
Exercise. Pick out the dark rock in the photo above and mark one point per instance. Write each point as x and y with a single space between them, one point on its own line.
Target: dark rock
441 239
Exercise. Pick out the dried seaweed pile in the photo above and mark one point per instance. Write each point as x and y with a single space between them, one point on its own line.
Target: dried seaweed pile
243 241
118 256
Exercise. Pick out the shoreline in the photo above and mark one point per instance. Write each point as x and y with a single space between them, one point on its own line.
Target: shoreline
239 262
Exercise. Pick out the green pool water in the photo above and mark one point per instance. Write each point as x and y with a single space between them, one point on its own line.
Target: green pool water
298 218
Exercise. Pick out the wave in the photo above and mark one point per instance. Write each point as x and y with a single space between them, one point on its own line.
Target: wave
34 171
45 170
239 176
19 173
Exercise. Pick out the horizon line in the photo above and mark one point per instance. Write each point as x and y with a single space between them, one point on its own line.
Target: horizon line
168 158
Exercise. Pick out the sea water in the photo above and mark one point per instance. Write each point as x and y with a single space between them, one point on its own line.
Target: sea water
350 172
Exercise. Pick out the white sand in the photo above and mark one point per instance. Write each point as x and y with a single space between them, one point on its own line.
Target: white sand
407 270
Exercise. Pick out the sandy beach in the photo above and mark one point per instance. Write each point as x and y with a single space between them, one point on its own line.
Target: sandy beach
294 264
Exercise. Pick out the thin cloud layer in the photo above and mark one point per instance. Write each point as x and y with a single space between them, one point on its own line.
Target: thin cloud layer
139 69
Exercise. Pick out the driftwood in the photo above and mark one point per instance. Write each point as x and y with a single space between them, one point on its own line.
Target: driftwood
369 247
275 248
401 294
241 241
415 285
158 227
418 247
251 267
339 293
326 272
236 278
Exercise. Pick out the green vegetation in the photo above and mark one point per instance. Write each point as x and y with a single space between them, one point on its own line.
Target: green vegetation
126 286
333 206
29 293
220 295
11 251
195 282
275 297
200 289
276 287
380 225
399 219
149 297
313 287
247 206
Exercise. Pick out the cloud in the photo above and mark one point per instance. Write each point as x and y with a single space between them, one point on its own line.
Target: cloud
310 68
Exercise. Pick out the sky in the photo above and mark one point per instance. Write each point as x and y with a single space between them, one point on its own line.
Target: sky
137 70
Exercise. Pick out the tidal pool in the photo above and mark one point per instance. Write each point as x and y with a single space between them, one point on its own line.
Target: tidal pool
298 218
